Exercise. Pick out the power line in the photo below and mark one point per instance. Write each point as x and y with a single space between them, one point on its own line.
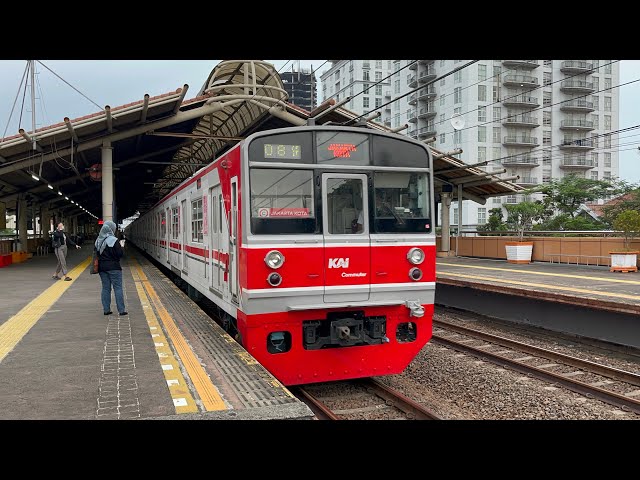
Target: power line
26 68
70 85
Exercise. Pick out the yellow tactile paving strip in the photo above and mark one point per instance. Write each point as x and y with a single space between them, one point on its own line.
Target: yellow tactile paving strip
14 329
183 401
206 390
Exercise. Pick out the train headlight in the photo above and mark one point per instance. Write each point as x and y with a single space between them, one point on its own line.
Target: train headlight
274 259
415 256
415 274
274 279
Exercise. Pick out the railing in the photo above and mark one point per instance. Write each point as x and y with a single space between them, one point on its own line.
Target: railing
571 123
576 64
520 79
577 84
545 233
577 104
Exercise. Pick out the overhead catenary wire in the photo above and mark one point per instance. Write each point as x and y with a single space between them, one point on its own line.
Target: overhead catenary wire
26 68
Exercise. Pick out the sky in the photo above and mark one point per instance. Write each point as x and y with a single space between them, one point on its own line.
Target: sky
116 82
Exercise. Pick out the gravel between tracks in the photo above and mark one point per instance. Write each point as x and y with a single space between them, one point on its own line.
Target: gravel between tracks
460 386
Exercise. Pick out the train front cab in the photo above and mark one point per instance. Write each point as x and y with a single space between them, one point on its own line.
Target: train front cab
339 252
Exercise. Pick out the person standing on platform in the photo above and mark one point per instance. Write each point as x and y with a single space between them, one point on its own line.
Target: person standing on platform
110 252
60 241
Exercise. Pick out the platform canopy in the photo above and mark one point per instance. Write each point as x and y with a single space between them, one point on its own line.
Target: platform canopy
160 141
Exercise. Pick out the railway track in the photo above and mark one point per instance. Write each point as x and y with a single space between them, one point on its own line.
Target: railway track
614 386
366 399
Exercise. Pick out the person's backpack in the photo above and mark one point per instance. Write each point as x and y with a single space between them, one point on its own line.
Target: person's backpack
55 243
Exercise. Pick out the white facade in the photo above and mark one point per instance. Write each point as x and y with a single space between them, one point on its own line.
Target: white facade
532 118
352 77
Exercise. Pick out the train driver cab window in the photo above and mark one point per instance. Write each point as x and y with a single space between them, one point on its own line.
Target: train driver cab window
345 213
282 201
401 202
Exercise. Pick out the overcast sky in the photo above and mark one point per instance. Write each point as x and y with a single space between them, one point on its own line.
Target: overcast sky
114 83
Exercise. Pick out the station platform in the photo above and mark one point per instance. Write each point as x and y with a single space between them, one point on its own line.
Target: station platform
62 358
588 301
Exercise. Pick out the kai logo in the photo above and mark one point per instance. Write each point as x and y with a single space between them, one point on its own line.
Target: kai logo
338 263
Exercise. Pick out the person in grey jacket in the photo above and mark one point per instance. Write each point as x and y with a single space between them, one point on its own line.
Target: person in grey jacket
61 239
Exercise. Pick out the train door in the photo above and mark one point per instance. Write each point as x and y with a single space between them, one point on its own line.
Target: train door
214 239
183 250
347 262
167 224
233 242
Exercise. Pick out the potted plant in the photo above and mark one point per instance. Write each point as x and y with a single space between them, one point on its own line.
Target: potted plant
520 218
626 259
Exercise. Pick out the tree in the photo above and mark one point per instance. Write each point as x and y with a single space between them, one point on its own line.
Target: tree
494 222
569 192
615 207
522 215
628 222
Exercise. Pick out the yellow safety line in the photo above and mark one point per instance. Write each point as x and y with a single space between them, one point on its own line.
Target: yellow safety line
551 287
531 272
183 401
12 331
207 391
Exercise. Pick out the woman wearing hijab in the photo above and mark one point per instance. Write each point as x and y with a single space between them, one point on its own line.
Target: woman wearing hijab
110 252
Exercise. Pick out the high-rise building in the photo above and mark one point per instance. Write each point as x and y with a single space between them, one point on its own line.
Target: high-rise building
356 79
301 85
537 119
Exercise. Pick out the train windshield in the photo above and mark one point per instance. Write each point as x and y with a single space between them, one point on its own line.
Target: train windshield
282 201
401 202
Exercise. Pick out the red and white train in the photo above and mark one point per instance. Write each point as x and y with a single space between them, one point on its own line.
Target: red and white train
316 242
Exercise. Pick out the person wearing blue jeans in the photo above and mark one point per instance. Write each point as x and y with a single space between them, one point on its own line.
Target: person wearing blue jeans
110 252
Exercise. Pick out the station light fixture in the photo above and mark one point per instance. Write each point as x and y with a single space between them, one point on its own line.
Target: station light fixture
50 187
35 177
59 193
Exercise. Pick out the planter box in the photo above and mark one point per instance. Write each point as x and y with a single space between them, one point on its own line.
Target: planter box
624 261
519 252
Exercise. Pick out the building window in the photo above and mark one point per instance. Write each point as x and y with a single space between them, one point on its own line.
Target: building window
455 215
457 111
378 76
596 83
379 64
594 158
497 70
396 66
546 157
443 82
607 83
546 78
607 142
607 67
607 160
443 63
378 102
366 64
482 215
365 102
396 86
457 137
496 134
594 175
482 93
596 102
607 104
482 114
497 114
482 134
457 95
442 100
546 137
482 72
546 63
596 121
482 154
546 118
442 138
546 99
607 122
196 221
496 153
606 175
496 93
378 89
457 76
175 222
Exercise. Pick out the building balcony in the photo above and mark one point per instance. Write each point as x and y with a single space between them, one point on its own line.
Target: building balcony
526 181
413 81
413 66
577 86
576 66
521 63
427 75
575 124
577 144
522 141
520 161
515 199
413 98
413 133
521 121
579 162
426 132
520 81
427 112
412 117
577 106
521 101
426 93
387 93
425 62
